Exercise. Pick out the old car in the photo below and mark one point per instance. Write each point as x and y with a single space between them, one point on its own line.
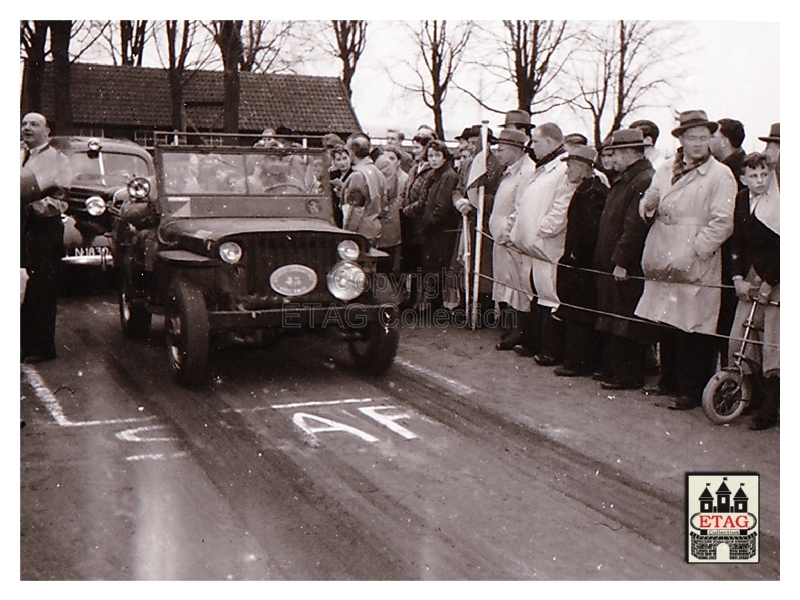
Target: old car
102 169
238 245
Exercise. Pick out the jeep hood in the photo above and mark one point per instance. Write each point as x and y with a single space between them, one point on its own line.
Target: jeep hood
213 229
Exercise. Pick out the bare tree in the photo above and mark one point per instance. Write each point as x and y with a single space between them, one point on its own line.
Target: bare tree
350 40
228 36
60 36
180 35
622 65
531 55
441 54
33 38
263 46
182 49
133 36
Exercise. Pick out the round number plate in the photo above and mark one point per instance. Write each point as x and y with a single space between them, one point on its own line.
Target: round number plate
293 280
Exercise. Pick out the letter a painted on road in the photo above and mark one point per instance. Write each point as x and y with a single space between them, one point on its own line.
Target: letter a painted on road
302 421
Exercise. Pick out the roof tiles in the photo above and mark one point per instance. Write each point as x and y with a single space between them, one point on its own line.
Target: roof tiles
105 95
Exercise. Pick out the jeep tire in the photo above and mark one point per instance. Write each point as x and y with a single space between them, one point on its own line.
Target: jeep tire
134 318
187 333
374 353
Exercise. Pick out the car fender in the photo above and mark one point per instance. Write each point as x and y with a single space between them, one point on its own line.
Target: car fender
185 258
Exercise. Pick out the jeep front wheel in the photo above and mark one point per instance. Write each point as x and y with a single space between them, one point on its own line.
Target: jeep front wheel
187 333
134 317
374 350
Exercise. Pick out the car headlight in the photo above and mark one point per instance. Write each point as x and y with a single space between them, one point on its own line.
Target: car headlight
139 188
230 252
95 205
346 281
348 250
94 145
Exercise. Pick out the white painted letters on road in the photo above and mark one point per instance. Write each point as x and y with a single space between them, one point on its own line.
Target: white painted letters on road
302 421
388 421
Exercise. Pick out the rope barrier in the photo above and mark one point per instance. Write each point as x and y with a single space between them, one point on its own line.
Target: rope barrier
635 277
487 235
633 319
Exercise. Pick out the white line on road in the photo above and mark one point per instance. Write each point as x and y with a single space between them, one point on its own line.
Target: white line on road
135 434
156 456
321 403
54 408
460 387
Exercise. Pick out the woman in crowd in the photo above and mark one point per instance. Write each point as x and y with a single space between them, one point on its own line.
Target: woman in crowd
437 222
342 168
414 193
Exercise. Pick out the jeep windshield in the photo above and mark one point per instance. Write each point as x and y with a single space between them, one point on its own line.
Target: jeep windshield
106 168
199 182
243 173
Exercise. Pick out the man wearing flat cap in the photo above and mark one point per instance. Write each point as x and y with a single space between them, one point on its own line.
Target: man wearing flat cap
690 204
575 283
618 256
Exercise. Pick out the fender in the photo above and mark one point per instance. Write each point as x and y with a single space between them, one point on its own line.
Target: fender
184 258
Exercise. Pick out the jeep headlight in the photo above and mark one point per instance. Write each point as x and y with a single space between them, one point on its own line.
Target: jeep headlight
230 252
348 250
346 281
95 205
139 188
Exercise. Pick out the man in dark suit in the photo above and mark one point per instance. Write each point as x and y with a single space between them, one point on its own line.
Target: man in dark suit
44 173
575 285
618 255
726 146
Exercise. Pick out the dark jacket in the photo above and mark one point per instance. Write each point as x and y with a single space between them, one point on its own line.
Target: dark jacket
753 244
575 286
440 221
728 300
620 241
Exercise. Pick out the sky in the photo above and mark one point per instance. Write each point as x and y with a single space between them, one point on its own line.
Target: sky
722 76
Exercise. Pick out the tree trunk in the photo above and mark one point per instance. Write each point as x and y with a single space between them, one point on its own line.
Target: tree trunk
33 70
60 34
230 43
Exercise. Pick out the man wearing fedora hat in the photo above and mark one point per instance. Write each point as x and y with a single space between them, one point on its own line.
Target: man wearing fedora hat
519 120
690 204
465 200
574 282
773 148
511 287
618 255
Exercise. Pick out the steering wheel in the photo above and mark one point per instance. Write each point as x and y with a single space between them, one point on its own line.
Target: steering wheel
285 185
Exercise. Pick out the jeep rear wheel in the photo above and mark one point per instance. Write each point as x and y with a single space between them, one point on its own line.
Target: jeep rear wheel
187 333
374 351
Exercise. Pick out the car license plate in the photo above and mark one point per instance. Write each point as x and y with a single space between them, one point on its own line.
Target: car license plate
103 251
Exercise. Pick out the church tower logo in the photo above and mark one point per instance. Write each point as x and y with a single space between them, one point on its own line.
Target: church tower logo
722 517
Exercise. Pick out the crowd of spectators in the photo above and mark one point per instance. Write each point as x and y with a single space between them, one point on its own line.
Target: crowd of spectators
617 263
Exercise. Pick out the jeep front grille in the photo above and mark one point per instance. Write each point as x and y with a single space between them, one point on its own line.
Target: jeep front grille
266 252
